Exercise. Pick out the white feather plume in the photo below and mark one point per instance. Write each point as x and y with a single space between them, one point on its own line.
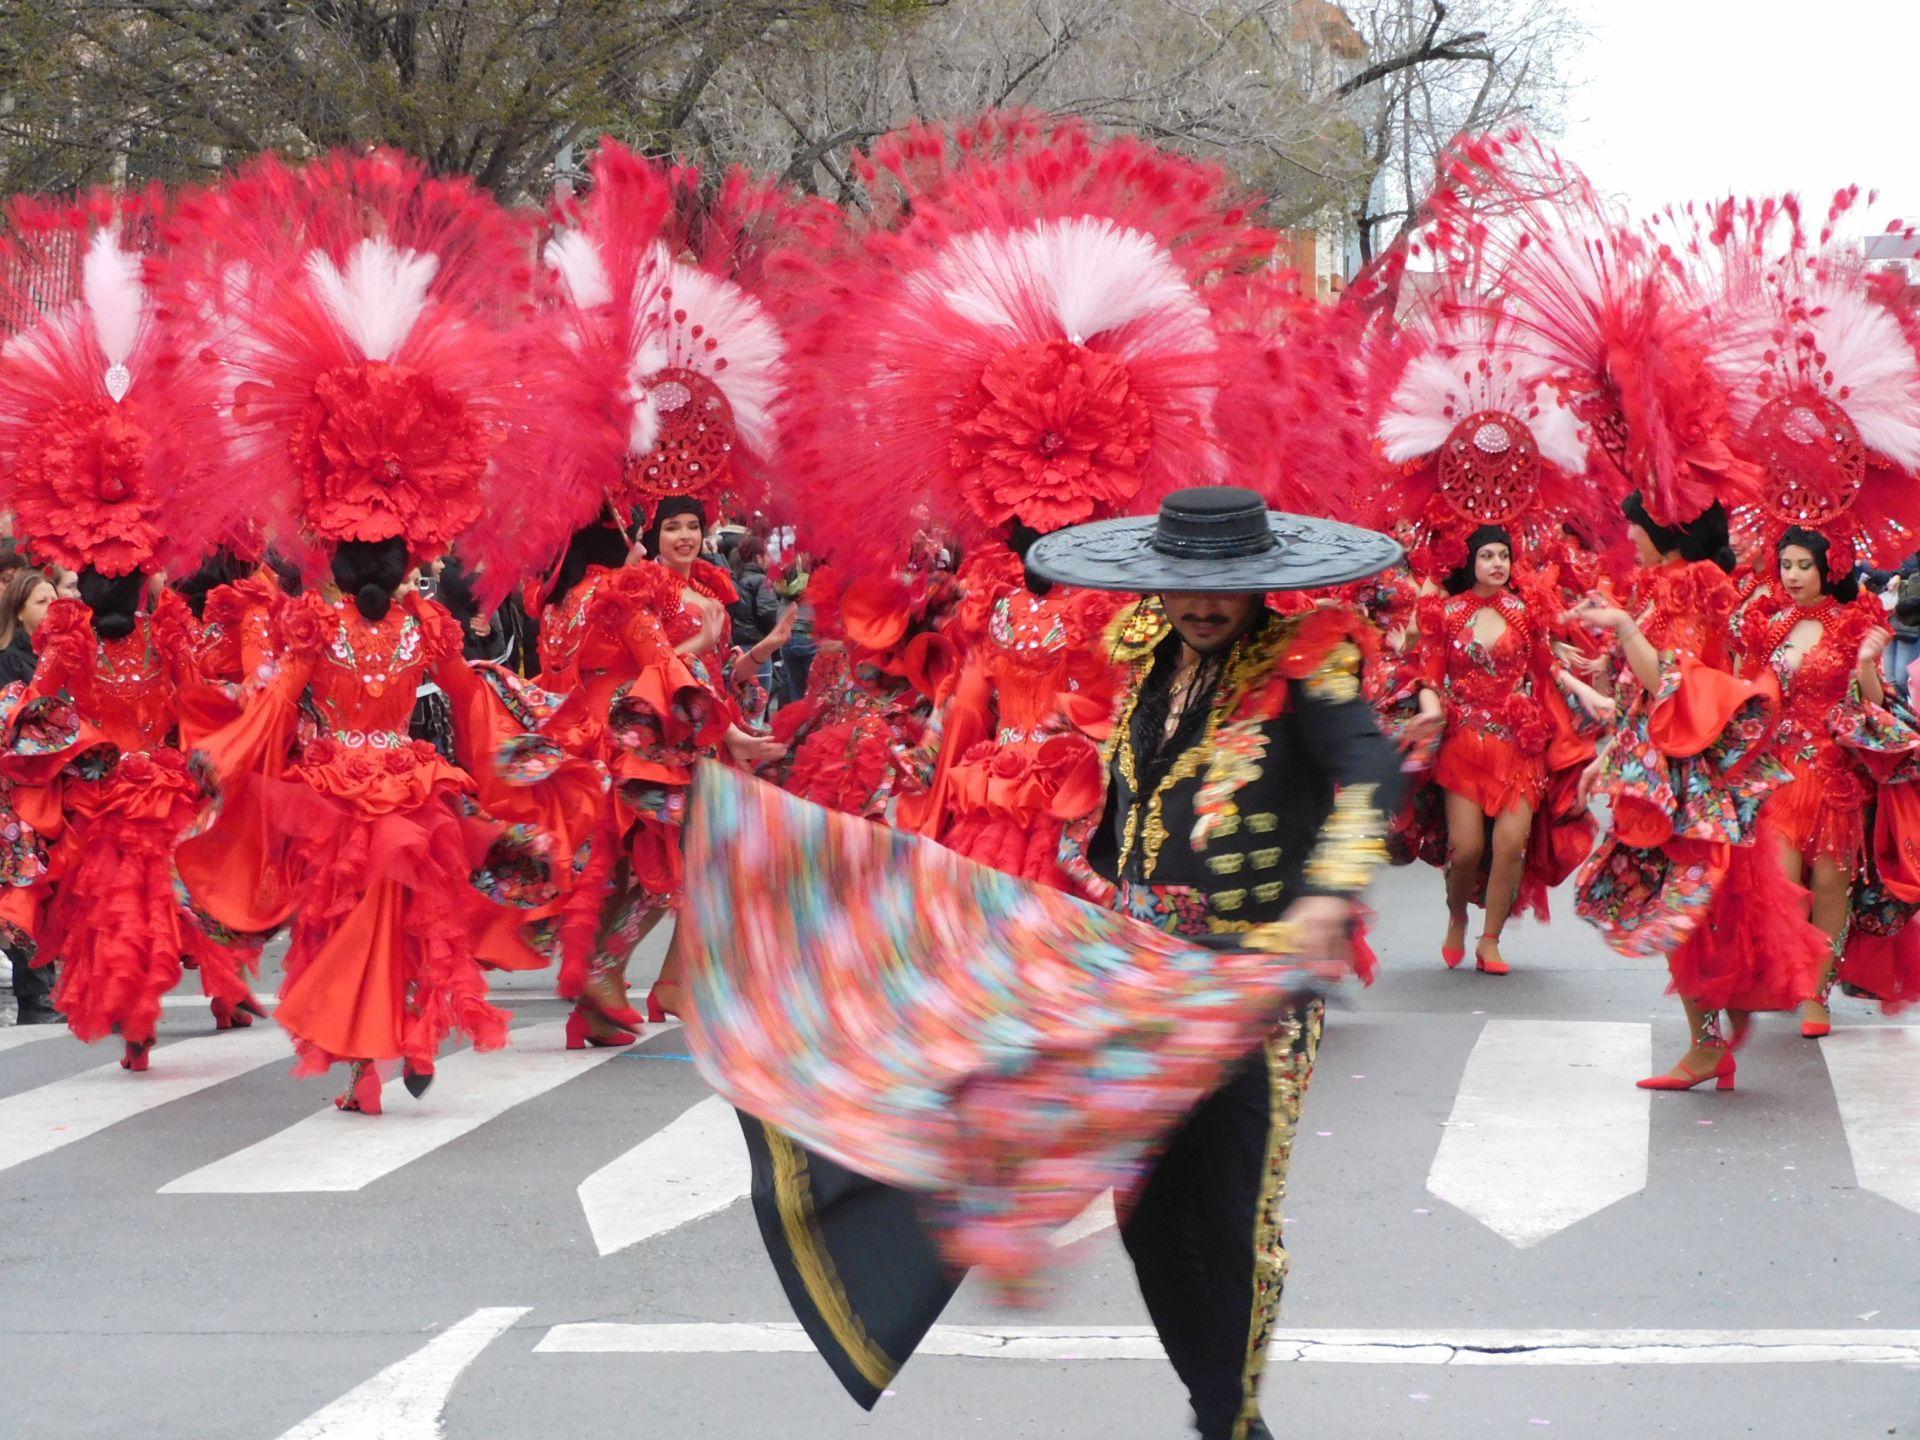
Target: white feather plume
1459 373
1876 376
1075 278
742 333
379 298
115 295
576 259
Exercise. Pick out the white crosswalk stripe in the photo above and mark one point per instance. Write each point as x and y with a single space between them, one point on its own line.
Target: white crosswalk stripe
696 1166
1876 1082
44 1119
1546 1127
329 1151
1505 1157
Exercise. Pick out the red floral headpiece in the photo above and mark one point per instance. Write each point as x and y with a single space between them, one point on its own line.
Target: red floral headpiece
1600 310
375 336
1029 333
90 387
669 296
1821 365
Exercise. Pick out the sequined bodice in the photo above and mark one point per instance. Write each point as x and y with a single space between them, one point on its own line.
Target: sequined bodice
1025 653
131 697
1819 683
365 678
1482 676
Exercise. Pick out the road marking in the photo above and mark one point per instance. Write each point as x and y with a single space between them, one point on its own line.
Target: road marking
694 1167
405 1401
1098 1216
1875 1073
44 1119
1339 1347
14 1036
1547 1126
329 1151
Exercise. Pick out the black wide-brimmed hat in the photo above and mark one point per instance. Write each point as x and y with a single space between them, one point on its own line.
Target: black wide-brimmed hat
1217 539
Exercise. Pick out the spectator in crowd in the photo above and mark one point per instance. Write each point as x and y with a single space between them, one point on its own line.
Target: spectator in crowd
758 607
1905 620
797 654
24 598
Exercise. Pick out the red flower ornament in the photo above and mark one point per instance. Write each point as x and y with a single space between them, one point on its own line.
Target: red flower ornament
83 491
382 450
1057 434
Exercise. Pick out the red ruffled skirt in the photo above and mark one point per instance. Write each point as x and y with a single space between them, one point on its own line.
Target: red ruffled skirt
1008 804
1490 770
1821 812
114 925
368 854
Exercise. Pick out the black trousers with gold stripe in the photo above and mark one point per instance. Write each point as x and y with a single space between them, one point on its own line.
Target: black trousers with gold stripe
1204 1231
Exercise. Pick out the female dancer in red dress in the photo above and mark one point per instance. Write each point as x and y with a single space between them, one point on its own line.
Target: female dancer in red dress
99 483
381 393
1490 683
1822 641
1686 872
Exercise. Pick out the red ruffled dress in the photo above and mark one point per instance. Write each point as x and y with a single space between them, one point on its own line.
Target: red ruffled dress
1016 761
332 818
89 751
1680 875
1509 739
613 692
858 737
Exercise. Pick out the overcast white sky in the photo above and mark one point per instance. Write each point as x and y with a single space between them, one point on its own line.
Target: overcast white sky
1687 99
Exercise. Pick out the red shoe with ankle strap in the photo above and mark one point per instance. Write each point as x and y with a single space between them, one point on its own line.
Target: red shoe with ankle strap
1495 966
581 1034
363 1090
1721 1073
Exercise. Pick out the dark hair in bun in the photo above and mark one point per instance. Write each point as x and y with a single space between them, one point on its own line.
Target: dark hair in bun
370 571
1705 537
114 601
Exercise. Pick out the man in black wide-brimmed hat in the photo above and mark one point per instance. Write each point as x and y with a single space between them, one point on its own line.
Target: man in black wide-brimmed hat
1247 785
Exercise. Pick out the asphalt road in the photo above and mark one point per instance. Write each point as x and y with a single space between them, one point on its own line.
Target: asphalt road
239 1263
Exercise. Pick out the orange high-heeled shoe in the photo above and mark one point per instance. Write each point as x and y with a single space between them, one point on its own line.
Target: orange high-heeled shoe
1721 1074
362 1095
581 1034
1485 966
1452 955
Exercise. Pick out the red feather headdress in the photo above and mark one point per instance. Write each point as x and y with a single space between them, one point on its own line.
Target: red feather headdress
383 370
662 285
1821 364
91 382
1027 333
1593 303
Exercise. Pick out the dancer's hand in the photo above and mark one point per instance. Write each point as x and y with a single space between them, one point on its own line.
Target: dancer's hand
751 749
1427 724
1873 647
1322 927
1596 614
1590 779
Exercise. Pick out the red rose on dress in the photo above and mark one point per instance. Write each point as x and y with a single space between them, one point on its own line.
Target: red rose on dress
383 451
137 768
361 766
1528 722
1009 762
81 489
399 761
302 628
320 751
1057 433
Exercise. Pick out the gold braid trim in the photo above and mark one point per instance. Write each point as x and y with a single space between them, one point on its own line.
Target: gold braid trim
1352 843
1290 1055
794 1192
1338 679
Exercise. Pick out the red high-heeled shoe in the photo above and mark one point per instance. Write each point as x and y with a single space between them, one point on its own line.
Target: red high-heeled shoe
1452 955
611 1003
136 1056
1722 1074
235 1015
363 1091
580 1032
1486 966
655 1015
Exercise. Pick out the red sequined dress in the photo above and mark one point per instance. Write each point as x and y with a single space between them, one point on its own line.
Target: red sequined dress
611 693
333 819
1016 761
1509 739
96 773
1684 874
